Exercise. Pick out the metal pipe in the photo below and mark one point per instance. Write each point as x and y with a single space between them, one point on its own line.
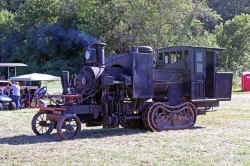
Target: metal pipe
8 72
65 82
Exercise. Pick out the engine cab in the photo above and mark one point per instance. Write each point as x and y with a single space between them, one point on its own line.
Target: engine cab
190 72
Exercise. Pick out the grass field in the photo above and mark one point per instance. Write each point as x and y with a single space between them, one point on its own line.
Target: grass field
218 138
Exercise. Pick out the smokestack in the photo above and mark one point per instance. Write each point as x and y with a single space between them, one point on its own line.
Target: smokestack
99 46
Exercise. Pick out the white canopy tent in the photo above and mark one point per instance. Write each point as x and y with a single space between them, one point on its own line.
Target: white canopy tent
35 77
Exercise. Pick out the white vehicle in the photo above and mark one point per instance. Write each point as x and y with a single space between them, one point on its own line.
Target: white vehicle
6 102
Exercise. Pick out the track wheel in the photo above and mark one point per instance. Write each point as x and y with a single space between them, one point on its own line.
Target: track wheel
68 127
40 125
161 117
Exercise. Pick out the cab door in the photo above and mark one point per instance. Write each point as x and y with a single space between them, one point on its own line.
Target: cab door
198 73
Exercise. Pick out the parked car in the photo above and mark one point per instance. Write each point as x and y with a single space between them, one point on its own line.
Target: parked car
6 102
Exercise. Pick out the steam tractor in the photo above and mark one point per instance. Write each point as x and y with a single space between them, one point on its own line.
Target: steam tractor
137 90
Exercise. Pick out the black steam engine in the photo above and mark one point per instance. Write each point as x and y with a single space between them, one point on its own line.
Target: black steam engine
137 90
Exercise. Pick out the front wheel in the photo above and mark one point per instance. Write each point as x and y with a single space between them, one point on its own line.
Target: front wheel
68 127
40 125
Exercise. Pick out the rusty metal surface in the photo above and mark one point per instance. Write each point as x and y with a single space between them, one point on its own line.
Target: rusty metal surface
68 127
161 116
87 80
64 99
142 75
53 117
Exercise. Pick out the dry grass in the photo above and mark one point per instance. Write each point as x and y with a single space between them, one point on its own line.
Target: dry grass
219 138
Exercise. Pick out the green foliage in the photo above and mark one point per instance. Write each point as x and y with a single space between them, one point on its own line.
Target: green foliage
51 35
234 35
159 23
230 8
10 5
6 22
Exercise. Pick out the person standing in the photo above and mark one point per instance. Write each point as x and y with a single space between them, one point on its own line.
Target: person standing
16 94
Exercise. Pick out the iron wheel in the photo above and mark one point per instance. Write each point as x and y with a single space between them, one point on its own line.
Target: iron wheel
68 127
40 125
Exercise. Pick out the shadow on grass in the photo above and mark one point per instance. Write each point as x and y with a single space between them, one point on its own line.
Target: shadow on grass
240 92
88 134
197 127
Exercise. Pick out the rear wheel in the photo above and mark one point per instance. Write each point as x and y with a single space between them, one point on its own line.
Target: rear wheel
68 127
40 124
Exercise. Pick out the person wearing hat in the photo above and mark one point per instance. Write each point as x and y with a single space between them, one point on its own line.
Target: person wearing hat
16 94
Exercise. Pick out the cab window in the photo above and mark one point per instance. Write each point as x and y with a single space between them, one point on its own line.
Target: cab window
199 62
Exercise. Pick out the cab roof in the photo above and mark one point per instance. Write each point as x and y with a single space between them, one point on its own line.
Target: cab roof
192 47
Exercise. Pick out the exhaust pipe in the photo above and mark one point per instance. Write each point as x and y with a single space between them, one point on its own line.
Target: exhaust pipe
99 46
65 82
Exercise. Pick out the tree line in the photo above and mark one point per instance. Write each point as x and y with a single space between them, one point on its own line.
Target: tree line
51 35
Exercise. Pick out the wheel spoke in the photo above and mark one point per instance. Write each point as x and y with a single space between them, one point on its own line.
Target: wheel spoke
40 125
68 128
